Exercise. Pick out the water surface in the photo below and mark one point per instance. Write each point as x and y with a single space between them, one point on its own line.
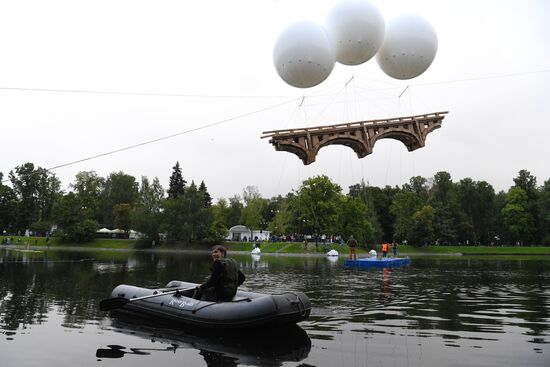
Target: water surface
451 311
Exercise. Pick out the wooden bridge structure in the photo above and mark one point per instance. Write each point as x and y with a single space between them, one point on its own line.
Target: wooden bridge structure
359 136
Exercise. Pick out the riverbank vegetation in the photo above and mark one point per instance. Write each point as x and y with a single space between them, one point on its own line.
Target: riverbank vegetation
268 247
423 212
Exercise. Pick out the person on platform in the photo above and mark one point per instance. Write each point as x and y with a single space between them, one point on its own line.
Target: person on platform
352 245
384 249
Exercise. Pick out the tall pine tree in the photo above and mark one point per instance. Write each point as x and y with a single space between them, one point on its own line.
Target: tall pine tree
205 195
177 183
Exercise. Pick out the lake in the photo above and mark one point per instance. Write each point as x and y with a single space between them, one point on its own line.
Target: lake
438 311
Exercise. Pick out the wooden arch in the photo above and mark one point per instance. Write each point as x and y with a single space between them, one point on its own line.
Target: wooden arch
359 136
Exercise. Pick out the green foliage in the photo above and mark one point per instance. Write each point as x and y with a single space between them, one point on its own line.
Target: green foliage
516 214
176 187
353 220
421 231
8 208
36 190
315 206
403 206
40 227
467 212
88 187
146 216
68 211
120 188
251 214
80 232
185 219
234 213
207 199
122 215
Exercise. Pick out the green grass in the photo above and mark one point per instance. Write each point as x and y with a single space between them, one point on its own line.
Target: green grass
288 247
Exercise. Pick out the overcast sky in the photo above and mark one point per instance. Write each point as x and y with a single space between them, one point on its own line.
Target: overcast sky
83 78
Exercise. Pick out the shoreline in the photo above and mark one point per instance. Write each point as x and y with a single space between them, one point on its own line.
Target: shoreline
41 248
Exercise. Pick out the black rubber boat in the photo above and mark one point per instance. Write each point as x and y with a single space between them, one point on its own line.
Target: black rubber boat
246 310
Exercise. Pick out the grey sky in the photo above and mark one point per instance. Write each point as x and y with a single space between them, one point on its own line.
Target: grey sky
175 66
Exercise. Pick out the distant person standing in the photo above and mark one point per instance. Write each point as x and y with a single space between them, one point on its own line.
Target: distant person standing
394 246
384 249
352 245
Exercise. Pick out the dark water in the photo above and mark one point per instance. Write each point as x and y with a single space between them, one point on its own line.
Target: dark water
459 311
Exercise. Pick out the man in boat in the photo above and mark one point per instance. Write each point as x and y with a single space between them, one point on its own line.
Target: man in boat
224 279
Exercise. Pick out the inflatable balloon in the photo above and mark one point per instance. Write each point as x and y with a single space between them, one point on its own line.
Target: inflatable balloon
356 28
409 47
303 55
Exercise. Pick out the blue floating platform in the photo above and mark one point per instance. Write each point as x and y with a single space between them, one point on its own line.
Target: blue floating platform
373 262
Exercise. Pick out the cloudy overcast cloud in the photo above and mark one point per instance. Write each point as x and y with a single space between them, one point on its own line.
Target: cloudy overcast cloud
83 78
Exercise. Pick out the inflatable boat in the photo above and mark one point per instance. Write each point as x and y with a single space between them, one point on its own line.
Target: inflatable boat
175 303
373 262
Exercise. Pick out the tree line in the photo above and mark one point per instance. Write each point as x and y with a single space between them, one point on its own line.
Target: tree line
421 212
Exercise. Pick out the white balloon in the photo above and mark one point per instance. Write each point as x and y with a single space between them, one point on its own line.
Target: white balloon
303 55
409 47
356 28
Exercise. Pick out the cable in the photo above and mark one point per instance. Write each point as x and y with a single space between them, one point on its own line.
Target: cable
170 136
131 93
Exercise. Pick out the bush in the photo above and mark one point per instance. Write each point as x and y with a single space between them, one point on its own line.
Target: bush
80 232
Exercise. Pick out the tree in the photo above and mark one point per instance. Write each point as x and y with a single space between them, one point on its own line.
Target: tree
234 213
8 207
207 199
403 207
36 190
418 185
81 232
176 187
146 216
186 219
281 222
251 213
443 198
353 220
421 231
220 212
441 188
516 216
88 187
544 207
366 195
71 217
528 183
316 204
120 188
122 216
68 210
475 199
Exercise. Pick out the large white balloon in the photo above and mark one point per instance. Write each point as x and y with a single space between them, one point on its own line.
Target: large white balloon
356 28
409 47
303 55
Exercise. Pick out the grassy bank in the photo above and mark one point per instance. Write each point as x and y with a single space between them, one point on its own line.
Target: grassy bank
286 247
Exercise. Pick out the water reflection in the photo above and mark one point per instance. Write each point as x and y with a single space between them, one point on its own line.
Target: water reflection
218 347
482 311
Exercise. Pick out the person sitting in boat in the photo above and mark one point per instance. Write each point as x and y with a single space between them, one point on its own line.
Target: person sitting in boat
224 279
